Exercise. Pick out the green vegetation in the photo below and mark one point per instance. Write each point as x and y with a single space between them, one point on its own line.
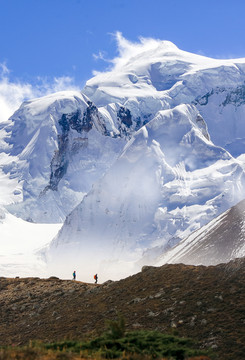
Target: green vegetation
151 344
113 343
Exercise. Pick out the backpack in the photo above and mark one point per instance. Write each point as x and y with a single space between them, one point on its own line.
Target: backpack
95 277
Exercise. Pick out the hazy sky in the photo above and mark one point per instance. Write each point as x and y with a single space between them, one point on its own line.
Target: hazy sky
55 38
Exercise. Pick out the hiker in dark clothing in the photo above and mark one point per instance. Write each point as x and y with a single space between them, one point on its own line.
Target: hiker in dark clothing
96 278
74 275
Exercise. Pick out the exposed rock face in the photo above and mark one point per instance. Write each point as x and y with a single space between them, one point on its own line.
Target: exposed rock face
234 96
59 163
205 303
125 116
81 123
203 126
125 123
203 100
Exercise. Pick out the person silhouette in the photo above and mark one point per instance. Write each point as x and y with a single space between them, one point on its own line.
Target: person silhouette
74 275
96 278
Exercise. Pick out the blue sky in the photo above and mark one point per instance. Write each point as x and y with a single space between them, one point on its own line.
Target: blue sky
54 38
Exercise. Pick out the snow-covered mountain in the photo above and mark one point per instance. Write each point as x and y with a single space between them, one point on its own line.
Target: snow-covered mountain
58 146
144 156
169 180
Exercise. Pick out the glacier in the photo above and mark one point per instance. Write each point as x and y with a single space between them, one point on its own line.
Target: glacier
144 155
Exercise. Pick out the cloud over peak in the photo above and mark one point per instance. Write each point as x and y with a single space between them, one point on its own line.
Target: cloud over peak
127 50
13 93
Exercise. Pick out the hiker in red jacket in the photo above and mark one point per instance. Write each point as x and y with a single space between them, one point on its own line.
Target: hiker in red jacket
96 278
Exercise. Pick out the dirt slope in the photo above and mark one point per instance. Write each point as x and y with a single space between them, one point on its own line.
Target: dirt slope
205 303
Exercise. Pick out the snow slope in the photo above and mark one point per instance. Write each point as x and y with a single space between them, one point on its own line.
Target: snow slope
20 240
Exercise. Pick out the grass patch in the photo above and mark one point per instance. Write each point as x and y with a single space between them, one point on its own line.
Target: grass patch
114 343
133 345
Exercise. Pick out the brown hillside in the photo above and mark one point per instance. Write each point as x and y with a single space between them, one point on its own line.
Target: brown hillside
217 242
204 303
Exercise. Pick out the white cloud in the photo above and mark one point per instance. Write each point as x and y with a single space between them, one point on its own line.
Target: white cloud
101 56
3 69
12 94
127 50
